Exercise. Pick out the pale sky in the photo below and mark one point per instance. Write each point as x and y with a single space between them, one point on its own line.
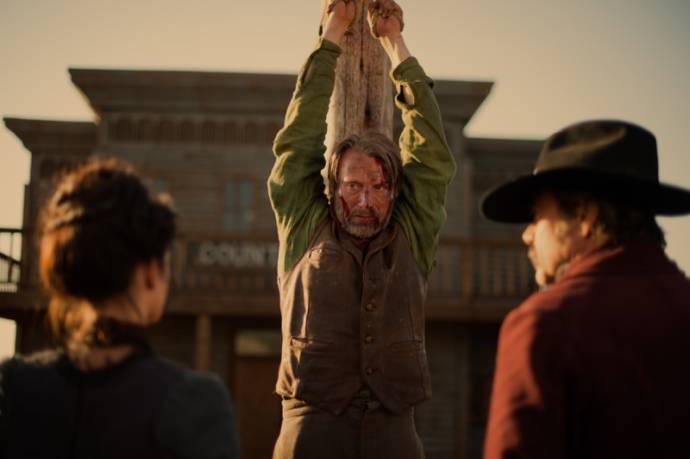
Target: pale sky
554 62
7 336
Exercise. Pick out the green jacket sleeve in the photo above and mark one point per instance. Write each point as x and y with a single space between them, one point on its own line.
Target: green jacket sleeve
295 186
428 165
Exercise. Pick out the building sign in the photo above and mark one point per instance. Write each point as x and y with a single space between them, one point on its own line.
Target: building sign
235 267
234 254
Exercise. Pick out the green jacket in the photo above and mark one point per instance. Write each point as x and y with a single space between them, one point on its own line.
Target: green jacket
296 186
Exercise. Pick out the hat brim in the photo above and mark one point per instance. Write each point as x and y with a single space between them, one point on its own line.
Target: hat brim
512 202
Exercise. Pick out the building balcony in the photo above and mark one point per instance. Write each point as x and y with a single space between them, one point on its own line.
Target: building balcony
10 259
236 276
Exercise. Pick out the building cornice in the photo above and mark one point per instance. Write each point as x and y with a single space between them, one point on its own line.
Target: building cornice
153 91
460 100
164 91
480 147
45 137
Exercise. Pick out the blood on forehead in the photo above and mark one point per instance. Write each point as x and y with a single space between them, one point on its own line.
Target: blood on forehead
356 165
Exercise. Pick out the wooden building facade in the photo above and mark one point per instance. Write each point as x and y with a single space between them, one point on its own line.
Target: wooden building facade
205 138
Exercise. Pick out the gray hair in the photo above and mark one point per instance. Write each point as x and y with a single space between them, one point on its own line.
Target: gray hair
617 222
375 145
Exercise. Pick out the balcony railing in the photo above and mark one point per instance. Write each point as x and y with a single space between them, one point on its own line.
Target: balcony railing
239 266
468 269
10 259
464 269
244 268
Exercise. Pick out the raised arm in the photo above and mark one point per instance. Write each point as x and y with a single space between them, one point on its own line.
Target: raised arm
428 165
339 16
295 185
386 24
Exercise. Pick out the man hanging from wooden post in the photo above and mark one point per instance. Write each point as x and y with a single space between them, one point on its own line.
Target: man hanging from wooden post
354 256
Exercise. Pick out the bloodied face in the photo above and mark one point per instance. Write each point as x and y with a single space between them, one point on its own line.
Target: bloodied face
363 196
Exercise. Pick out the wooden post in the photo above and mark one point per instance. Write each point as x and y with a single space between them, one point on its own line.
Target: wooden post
203 342
464 407
363 94
468 271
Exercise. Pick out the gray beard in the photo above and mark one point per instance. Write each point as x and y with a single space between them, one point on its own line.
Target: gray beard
359 230
550 280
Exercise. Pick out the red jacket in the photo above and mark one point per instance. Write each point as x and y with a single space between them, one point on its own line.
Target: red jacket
597 365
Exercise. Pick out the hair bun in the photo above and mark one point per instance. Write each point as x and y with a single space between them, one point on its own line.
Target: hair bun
98 225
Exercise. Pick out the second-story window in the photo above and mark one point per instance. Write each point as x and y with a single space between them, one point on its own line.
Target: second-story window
238 210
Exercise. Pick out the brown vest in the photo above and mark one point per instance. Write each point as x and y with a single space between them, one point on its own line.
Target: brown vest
350 320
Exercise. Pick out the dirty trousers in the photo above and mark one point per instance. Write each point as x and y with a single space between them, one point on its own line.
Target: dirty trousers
365 430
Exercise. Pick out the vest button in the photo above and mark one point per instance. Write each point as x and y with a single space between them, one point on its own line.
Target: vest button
369 370
370 307
368 339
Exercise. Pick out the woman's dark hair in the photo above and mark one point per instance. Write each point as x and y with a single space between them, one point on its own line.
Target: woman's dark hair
99 224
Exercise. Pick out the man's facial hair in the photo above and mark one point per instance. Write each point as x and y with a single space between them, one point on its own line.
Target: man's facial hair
359 230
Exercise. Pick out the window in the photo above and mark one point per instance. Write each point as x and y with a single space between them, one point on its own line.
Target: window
238 213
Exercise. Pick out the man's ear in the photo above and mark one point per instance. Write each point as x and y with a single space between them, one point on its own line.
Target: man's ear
588 214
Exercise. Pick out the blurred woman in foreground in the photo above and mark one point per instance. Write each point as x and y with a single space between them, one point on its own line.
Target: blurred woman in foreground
105 262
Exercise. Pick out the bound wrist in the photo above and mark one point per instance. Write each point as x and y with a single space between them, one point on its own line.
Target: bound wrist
334 34
395 48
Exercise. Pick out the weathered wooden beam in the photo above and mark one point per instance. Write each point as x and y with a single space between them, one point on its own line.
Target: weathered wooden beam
203 342
363 94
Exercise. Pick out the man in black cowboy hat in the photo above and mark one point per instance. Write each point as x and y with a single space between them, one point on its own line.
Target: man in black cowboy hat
596 364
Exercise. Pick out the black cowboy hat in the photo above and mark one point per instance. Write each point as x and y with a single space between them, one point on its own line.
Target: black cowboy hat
608 158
